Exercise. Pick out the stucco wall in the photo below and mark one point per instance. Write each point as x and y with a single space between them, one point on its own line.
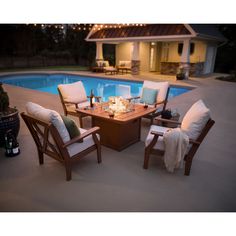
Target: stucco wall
198 55
123 53
144 56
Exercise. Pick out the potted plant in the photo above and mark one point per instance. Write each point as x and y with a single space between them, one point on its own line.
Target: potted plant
180 75
9 118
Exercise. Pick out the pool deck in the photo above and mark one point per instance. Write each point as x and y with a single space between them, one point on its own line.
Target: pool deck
120 183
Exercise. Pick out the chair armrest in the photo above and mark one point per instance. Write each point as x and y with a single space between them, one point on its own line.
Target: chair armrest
191 141
168 121
72 103
82 136
129 99
157 133
158 103
96 97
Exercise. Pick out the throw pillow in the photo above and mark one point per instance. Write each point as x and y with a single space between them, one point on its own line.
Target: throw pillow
71 127
149 96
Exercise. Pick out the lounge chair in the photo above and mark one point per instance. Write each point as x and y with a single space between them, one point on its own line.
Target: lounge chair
52 138
196 124
74 96
124 66
160 98
110 69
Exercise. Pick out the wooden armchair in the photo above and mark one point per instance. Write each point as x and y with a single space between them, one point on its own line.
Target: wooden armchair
161 99
49 142
155 144
73 96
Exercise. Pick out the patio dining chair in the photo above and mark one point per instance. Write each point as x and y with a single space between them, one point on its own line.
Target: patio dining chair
123 91
154 94
74 96
196 124
52 137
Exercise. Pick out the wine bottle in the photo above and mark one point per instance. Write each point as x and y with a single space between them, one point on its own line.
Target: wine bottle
91 98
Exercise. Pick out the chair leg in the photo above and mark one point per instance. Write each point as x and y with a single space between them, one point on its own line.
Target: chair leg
146 158
96 141
99 156
188 165
148 150
80 121
40 155
151 121
68 171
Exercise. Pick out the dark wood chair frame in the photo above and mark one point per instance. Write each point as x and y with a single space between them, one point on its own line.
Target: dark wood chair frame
189 156
73 113
41 130
158 112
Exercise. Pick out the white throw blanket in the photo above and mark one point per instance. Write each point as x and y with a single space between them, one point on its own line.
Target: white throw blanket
176 144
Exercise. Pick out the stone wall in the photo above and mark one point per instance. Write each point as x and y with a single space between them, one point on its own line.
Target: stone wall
135 67
170 68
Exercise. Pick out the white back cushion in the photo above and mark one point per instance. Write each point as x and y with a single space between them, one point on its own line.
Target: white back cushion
48 115
162 88
103 63
123 91
125 63
195 119
74 92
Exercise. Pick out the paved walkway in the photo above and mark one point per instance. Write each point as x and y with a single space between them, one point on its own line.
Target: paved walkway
120 183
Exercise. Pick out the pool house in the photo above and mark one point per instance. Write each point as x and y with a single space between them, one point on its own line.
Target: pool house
160 48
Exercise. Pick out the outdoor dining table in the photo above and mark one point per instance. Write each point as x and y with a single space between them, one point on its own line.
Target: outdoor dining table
120 131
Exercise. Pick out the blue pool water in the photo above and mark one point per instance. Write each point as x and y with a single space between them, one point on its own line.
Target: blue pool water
101 87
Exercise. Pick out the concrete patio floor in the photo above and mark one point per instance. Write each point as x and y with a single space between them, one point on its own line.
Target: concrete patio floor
120 183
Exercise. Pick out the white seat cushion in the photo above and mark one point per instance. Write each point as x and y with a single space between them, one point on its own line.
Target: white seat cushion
162 88
110 68
47 116
79 147
74 92
103 63
195 119
160 143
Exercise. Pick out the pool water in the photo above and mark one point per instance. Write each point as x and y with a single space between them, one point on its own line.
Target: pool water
100 86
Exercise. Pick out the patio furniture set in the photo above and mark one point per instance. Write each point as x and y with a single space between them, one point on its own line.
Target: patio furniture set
103 67
117 125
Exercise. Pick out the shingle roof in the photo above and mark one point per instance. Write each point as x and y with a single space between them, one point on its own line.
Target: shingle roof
141 31
207 31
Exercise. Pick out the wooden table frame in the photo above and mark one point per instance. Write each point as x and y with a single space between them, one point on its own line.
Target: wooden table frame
121 131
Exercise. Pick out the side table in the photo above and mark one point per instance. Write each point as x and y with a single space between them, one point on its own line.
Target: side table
174 117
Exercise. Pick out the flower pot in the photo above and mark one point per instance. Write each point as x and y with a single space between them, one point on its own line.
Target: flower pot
180 76
9 121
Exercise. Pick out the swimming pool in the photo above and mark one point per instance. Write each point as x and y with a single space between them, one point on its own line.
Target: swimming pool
101 86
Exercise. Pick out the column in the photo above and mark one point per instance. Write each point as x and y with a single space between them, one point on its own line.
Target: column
99 51
185 57
135 61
